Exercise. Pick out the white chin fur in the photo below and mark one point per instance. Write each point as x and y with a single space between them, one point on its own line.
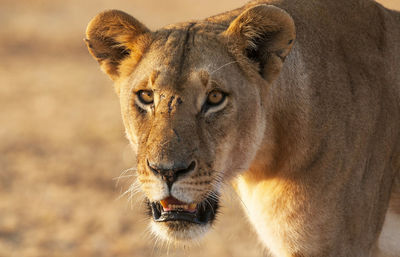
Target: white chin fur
187 236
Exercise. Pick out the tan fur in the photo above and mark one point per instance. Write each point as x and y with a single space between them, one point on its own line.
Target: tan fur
310 130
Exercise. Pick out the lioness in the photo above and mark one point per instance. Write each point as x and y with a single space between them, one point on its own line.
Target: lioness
307 128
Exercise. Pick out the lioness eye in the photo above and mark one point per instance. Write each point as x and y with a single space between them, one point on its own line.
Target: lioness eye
145 96
215 97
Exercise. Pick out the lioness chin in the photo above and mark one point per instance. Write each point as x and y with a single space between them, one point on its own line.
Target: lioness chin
307 129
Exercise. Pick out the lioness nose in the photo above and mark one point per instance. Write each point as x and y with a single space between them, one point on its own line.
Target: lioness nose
171 175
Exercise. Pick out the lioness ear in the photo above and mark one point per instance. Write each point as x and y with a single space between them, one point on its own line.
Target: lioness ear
265 34
112 36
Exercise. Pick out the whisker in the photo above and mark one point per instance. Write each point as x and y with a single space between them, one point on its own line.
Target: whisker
213 195
238 196
133 189
226 64
218 180
168 244
212 209
123 174
126 176
155 244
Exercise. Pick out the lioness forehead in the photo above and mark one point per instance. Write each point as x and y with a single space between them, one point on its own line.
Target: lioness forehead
178 53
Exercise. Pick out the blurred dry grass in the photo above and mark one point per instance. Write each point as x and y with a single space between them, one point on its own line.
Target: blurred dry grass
62 141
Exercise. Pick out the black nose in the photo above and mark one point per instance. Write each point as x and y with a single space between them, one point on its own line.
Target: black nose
172 174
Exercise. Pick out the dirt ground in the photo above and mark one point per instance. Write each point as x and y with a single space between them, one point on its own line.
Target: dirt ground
62 143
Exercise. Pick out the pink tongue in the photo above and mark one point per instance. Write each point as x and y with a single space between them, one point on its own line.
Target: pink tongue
173 200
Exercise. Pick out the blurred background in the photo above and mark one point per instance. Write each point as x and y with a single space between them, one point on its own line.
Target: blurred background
62 144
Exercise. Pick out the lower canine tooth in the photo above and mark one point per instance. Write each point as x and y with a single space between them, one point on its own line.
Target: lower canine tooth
163 203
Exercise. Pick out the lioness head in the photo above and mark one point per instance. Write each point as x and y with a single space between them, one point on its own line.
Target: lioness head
191 98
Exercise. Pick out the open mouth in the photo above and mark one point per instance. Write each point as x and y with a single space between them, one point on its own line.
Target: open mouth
171 209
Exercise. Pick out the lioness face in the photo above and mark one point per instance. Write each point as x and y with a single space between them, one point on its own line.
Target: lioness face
191 100
191 116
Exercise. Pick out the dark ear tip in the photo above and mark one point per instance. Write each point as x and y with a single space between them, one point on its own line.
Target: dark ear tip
88 44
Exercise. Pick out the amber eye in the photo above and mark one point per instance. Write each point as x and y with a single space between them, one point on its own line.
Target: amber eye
215 97
145 96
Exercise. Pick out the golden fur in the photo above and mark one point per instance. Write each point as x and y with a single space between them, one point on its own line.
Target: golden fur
310 130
